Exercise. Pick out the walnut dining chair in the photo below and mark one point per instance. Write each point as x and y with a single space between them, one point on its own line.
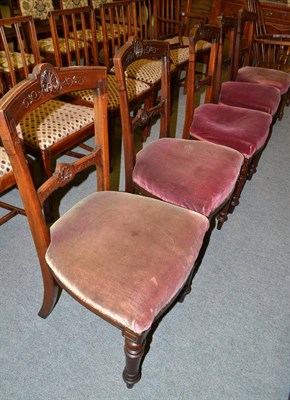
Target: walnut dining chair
196 175
113 252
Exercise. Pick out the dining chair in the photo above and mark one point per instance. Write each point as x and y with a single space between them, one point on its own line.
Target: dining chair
120 21
138 91
108 251
245 72
39 11
240 94
42 142
196 175
244 130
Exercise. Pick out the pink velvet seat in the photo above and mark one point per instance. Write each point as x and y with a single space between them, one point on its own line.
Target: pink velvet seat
250 95
196 175
265 76
132 247
238 128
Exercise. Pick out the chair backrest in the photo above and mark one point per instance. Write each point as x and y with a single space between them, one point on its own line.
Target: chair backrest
45 83
244 39
74 36
255 6
229 27
38 10
18 50
119 22
66 4
196 79
136 49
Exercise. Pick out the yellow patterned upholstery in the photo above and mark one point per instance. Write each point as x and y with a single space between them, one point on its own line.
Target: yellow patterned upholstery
46 45
181 55
15 59
146 70
5 166
97 3
53 121
134 88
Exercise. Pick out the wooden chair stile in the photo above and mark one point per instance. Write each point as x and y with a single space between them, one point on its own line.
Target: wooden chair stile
75 253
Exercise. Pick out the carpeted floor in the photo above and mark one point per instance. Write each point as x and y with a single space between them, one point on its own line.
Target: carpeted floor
229 340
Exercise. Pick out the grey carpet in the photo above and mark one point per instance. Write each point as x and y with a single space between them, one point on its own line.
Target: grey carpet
229 340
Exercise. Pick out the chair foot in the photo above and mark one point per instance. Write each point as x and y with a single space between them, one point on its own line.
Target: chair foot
51 295
134 353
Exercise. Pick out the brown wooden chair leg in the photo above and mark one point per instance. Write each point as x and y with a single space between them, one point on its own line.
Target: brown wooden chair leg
51 291
134 353
253 166
240 184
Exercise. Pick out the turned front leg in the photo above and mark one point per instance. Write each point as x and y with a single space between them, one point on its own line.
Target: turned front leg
134 353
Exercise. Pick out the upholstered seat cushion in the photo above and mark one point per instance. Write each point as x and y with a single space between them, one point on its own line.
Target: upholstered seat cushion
146 70
134 88
180 55
5 165
53 121
250 95
16 60
266 76
196 175
124 255
238 128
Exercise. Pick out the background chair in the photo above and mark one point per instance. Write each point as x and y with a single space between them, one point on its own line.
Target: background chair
195 175
240 94
244 71
244 130
92 251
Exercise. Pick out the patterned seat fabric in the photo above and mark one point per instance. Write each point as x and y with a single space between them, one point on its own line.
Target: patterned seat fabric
134 89
16 60
181 54
74 3
5 165
46 45
147 71
53 121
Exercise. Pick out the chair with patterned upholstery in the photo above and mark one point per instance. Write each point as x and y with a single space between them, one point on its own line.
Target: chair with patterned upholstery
40 140
242 129
39 12
196 175
120 21
108 251
138 90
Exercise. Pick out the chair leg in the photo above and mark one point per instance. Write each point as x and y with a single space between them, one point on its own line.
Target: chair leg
222 216
134 353
51 292
239 186
253 166
285 99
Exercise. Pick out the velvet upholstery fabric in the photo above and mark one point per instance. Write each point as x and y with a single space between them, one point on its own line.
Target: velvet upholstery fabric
251 96
196 175
266 76
238 128
125 255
